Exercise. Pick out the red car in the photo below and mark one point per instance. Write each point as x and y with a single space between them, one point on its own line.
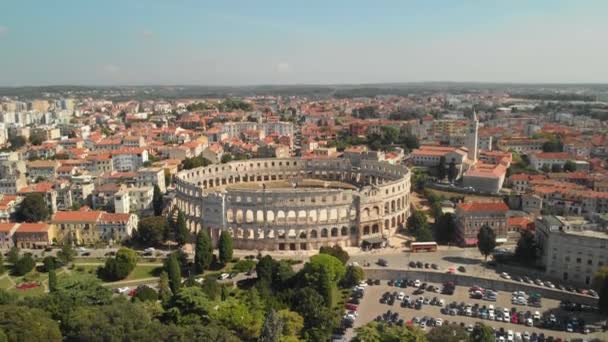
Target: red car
350 306
514 319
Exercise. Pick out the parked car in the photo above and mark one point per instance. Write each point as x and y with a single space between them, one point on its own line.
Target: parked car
462 269
382 262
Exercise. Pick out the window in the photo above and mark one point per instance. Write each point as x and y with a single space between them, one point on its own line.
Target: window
589 262
578 260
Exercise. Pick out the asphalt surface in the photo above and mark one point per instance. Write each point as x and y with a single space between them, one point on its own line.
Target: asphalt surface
370 307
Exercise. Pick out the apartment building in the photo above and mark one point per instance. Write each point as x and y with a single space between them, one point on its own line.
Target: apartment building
572 249
470 217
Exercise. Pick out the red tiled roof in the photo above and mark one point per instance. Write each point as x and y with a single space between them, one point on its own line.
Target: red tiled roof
483 206
32 228
76 216
112 217
6 227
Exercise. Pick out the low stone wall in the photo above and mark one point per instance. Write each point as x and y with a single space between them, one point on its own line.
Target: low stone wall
467 280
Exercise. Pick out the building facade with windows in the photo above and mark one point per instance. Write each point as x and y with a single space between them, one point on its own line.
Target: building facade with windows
572 249
470 217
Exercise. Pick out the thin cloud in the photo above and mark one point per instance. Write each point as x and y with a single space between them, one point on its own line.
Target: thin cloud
147 34
111 68
283 67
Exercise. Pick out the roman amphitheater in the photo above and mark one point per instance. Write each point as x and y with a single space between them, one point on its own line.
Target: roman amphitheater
296 204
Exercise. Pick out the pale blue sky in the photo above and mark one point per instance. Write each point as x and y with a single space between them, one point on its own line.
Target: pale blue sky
315 42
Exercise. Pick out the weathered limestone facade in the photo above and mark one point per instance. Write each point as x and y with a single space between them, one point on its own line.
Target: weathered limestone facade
375 202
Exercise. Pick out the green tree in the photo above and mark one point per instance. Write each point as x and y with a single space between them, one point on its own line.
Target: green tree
570 166
157 201
36 140
67 253
332 264
424 234
292 325
174 272
600 283
50 263
553 145
326 287
441 171
211 288
52 280
33 208
225 247
335 251
482 333
417 221
145 293
272 329
353 276
151 231
21 323
164 290
24 265
264 269
203 251
2 267
452 171
546 168
447 333
182 234
236 316
486 241
526 250
379 332
121 265
319 320
445 228
119 321
13 255
17 141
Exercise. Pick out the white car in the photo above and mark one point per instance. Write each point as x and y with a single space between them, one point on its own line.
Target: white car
422 324
529 322
470 328
518 336
526 336
122 290
509 335
505 275
519 294
400 296
417 283
500 339
536 315
149 250
223 276
438 322
352 313
441 302
363 284
82 249
491 315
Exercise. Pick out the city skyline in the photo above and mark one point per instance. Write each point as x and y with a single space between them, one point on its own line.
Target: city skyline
239 43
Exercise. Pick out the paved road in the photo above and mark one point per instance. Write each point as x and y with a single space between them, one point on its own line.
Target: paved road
370 307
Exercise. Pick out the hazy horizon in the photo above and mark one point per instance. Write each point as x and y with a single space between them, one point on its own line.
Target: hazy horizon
241 43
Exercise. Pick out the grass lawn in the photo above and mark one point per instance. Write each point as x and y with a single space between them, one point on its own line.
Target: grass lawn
145 271
30 292
5 283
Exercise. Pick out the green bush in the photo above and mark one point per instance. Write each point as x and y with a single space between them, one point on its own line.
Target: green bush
243 265
24 265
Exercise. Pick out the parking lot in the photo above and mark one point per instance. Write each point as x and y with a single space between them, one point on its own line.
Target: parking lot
370 307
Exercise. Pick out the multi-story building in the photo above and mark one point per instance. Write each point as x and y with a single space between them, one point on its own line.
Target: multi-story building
136 199
116 227
151 176
129 159
6 234
550 160
34 235
45 169
572 249
522 145
470 217
12 176
79 227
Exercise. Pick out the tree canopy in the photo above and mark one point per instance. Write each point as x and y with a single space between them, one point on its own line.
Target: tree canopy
486 240
151 231
33 208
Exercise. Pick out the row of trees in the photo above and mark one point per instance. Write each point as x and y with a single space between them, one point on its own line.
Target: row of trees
153 231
